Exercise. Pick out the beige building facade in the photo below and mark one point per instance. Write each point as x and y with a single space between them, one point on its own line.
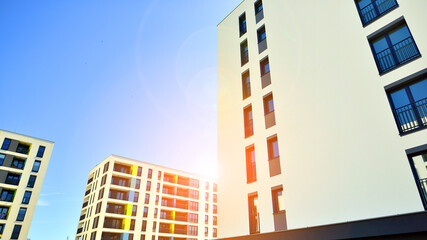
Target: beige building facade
23 165
321 113
126 199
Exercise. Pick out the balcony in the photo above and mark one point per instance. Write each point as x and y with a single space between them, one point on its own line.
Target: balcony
121 168
376 9
398 54
412 116
246 89
23 148
120 182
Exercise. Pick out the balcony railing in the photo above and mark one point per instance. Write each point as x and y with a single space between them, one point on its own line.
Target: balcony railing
249 128
376 9
423 185
396 55
412 116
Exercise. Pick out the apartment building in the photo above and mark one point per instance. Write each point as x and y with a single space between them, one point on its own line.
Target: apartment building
127 199
322 113
23 165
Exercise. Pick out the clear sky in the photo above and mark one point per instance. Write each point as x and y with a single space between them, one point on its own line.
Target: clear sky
100 77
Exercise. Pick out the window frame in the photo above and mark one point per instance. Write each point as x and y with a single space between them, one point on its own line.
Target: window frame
243 22
375 6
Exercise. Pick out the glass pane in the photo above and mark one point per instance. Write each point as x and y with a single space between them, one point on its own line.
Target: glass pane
380 45
275 149
419 90
363 3
400 98
280 200
399 34
270 105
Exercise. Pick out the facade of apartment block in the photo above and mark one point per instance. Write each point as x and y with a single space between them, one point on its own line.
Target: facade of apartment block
322 113
23 165
127 199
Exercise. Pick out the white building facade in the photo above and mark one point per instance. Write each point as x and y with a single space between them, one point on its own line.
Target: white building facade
23 165
127 199
322 113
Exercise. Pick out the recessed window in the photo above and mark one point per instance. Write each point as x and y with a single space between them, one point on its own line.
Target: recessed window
250 164
248 121
418 163
6 144
214 232
31 181
2 157
273 148
393 48
147 199
278 200
21 214
262 42
268 104
246 85
192 230
145 214
409 105
215 186
40 152
206 207
253 213
369 10
18 163
214 209
259 13
148 187
16 231
215 221
23 148
150 173
7 195
206 232
144 225
244 52
13 179
3 212
27 197
265 66
36 166
242 24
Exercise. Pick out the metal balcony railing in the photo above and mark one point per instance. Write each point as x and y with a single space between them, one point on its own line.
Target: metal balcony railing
396 55
412 116
376 9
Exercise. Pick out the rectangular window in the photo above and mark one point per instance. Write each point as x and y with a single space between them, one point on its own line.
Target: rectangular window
157 199
194 194
278 200
194 218
23 148
273 148
139 173
409 105
265 66
207 196
192 230
259 13
215 220
393 48
248 121
214 198
194 206
206 232
215 187
6 144
137 184
242 24
154 226
246 85
147 199
3 212
214 232
135 197
2 157
21 214
31 181
194 183
93 236
206 207
268 104
207 186
148 187
370 10
40 152
18 163
250 164
159 175
150 173
26 198
155 212
36 166
262 42
253 213
145 212
418 163
244 52
98 208
144 225
214 209
7 195
13 179
206 219
16 232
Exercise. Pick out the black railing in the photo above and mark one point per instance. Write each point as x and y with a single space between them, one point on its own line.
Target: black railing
412 116
423 185
376 9
249 128
396 55
80 230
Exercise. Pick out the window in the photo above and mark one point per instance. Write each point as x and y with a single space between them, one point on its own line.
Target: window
246 85
265 66
393 48
258 7
273 148
18 163
2 157
214 232
16 232
26 198
214 187
36 166
155 212
104 180
214 207
262 43
137 184
215 220
253 213
418 162
207 196
206 219
194 183
192 230
159 175
158 187
194 194
134 209
93 236
157 199
206 232
268 104
144 226
106 167
214 198
3 212
145 212
147 199
135 196
23 148
154 228
206 207
40 152
250 164
194 206
98 208
31 181
242 24
1 228
278 199
6 144
148 188
7 195
369 10
150 173
139 173
207 186
248 120
244 52
409 105
21 214
194 218
13 179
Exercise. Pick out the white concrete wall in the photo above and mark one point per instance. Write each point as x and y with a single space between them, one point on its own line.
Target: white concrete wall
341 154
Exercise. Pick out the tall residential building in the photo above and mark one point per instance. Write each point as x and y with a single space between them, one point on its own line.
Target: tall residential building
127 199
322 113
23 165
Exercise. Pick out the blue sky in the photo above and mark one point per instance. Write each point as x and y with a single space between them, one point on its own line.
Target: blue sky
132 78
